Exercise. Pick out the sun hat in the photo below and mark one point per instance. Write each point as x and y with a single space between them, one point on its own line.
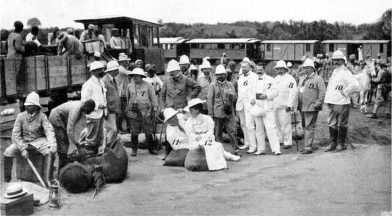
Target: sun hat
205 65
192 67
32 99
193 102
173 66
281 64
123 57
138 71
95 65
338 54
184 59
13 191
220 69
308 63
111 66
169 113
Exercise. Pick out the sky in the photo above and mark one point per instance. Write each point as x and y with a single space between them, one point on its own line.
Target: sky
61 13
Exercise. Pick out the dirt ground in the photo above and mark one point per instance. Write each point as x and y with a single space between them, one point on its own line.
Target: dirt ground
354 182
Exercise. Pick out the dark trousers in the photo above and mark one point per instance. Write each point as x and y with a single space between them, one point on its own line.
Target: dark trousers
228 124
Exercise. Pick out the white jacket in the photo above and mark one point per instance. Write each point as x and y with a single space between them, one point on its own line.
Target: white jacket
246 91
287 92
341 84
266 85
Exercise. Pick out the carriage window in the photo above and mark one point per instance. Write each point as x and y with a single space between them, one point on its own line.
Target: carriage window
194 46
221 46
242 46
268 47
307 47
136 32
381 48
331 48
144 35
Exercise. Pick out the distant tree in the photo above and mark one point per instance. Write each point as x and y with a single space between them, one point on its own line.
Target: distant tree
33 22
231 34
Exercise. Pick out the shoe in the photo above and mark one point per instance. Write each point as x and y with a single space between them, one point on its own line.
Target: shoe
245 146
333 138
286 146
342 148
307 152
342 139
235 158
259 153
277 153
373 115
134 152
250 151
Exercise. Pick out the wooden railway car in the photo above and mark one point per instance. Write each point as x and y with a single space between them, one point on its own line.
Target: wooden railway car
173 47
369 47
288 50
140 33
235 48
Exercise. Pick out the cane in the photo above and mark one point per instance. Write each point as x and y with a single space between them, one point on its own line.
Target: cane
35 172
295 128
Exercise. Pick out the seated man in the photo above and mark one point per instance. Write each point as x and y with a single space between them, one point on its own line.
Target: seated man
32 130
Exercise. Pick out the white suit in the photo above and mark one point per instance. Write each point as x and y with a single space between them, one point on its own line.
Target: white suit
246 93
287 97
266 85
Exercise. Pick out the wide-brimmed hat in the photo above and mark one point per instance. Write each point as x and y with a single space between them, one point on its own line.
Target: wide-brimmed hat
95 65
168 113
193 102
13 191
281 64
111 66
32 99
138 71
123 57
173 66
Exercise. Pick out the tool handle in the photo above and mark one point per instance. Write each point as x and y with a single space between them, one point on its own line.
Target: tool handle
35 172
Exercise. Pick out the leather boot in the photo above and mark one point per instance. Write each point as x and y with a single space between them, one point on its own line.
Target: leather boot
151 145
48 174
135 144
333 136
8 162
342 138
63 160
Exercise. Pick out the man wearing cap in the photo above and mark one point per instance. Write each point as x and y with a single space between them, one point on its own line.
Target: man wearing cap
141 106
122 85
285 102
94 89
112 102
341 84
311 98
32 130
246 87
88 34
220 103
176 87
184 65
205 81
266 91
116 42
64 119
68 45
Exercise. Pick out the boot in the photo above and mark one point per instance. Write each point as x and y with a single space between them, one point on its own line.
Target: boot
231 157
135 143
48 174
333 136
245 146
151 145
8 162
63 160
342 138
168 149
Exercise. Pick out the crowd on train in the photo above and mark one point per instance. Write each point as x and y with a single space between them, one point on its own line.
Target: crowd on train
198 105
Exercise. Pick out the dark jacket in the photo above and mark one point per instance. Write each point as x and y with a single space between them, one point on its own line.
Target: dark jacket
112 97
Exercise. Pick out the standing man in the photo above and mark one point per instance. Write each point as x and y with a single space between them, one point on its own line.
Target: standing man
15 42
88 34
113 102
184 65
383 81
311 98
220 103
64 119
246 93
205 82
337 97
285 103
141 106
94 89
122 85
68 45
266 91
176 87
153 78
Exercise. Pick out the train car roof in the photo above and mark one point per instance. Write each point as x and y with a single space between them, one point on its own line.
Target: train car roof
113 20
356 41
170 40
289 41
223 40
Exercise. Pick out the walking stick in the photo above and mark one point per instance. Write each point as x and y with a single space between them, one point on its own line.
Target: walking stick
35 172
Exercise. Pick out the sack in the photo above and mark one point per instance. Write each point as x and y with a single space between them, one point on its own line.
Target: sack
115 162
196 160
214 156
176 158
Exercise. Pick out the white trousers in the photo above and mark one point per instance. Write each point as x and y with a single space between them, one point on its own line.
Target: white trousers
267 122
283 123
248 127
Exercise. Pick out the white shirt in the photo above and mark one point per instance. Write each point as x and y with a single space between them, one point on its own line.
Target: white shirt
341 84
287 92
266 85
246 90
94 89
177 138
200 126
31 37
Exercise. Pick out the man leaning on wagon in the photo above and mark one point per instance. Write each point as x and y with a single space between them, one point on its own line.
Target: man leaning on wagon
32 130
69 45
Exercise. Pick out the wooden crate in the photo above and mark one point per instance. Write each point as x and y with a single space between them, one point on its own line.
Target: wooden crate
7 122
24 171
11 70
2 80
78 70
36 73
18 206
58 71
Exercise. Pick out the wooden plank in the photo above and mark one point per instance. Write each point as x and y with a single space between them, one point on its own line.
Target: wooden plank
78 70
58 71
11 68
2 80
